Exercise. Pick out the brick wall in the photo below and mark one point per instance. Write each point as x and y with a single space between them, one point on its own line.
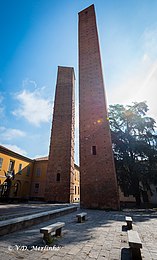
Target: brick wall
60 171
98 178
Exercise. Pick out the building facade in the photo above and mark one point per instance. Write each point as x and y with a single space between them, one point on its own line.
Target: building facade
60 170
39 178
22 178
26 180
16 172
97 170
76 184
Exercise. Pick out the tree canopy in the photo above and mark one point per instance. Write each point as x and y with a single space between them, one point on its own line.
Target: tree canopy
134 142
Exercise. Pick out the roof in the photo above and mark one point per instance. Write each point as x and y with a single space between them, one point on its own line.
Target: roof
17 155
45 158
7 151
41 158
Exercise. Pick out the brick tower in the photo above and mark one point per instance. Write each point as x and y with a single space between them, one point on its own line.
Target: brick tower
60 170
97 170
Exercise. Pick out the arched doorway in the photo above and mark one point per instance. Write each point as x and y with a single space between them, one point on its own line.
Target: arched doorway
25 190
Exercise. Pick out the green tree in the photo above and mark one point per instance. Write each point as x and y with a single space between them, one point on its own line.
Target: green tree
135 147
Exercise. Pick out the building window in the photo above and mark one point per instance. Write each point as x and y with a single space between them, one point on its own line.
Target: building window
58 177
4 189
38 172
78 190
28 170
75 190
20 168
94 150
1 161
36 190
11 166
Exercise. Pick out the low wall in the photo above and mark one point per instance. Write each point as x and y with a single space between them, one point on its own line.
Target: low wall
12 225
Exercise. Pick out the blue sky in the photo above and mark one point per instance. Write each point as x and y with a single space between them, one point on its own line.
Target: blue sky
39 35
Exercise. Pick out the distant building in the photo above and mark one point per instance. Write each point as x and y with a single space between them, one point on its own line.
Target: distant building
22 178
39 178
77 184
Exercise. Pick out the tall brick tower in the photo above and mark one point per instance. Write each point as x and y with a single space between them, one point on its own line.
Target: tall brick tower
97 170
60 171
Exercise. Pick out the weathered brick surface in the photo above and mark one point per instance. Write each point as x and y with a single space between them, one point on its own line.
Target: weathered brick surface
61 154
98 178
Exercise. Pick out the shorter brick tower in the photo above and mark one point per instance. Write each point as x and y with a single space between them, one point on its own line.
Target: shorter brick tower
60 170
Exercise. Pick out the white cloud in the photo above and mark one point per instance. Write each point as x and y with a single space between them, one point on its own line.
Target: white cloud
29 84
33 107
15 148
10 133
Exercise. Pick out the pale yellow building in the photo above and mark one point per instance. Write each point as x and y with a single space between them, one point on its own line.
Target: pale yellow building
15 173
39 180
22 178
77 184
26 179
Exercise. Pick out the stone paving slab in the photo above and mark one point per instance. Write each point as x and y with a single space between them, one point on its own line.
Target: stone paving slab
102 236
9 211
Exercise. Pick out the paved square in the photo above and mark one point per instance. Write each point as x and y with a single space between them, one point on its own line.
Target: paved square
102 236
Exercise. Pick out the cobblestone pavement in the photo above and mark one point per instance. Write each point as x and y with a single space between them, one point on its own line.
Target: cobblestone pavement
102 236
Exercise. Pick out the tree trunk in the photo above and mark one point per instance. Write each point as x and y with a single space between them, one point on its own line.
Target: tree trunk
137 193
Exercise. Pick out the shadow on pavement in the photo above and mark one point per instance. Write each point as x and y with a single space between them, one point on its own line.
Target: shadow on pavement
125 254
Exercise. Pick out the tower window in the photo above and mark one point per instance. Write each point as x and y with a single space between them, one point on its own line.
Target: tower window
58 177
94 150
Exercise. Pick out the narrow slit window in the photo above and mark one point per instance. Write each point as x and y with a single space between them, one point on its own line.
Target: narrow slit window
94 150
58 177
